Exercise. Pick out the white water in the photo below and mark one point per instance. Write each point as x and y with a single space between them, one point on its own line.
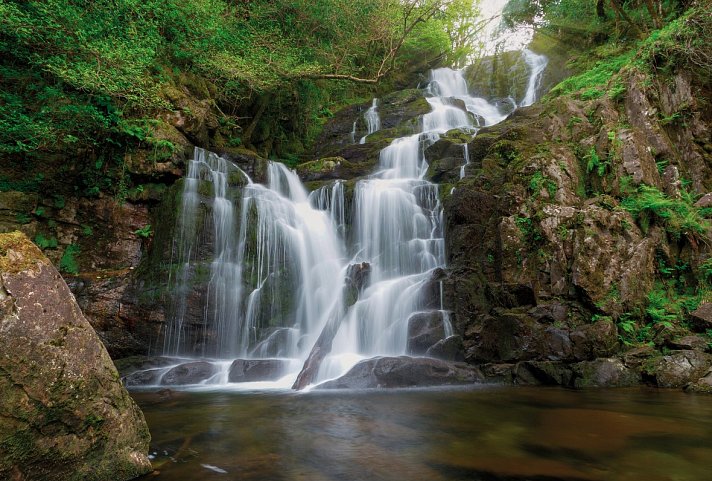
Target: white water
373 120
537 64
279 267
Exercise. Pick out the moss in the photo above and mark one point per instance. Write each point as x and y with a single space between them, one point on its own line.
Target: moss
18 253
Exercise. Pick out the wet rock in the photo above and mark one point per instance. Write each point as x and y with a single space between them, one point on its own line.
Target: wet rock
604 373
681 368
64 415
448 349
189 373
404 371
128 365
249 370
275 345
425 329
148 377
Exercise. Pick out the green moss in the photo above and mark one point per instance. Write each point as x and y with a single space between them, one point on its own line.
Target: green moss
17 253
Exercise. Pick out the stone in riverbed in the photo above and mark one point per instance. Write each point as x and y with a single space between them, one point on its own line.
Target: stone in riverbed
189 373
404 371
64 415
249 370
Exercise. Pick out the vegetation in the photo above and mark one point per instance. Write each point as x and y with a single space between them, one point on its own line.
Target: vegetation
92 78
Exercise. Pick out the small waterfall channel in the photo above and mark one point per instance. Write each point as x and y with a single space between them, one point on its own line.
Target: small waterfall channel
302 286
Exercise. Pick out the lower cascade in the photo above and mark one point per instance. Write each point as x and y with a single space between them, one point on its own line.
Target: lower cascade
302 286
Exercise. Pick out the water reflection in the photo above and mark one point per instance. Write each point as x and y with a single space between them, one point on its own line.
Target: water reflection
485 434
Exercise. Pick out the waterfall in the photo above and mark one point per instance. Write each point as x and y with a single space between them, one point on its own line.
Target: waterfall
278 278
373 120
208 176
537 64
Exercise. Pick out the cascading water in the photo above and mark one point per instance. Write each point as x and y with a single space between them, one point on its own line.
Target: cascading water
537 64
279 277
373 120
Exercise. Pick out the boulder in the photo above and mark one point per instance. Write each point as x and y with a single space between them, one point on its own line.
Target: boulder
681 368
425 329
189 373
702 317
404 371
64 415
702 385
249 370
604 373
591 341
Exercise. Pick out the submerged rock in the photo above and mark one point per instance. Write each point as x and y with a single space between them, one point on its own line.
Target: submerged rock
64 415
404 371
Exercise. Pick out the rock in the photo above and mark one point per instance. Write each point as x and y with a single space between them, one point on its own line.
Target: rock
703 385
448 349
705 201
590 341
681 368
276 344
498 373
636 357
148 377
424 330
189 373
404 371
64 415
695 343
129 365
604 373
702 317
548 373
248 370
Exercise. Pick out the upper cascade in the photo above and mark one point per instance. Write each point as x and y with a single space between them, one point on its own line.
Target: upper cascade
373 120
537 64
318 281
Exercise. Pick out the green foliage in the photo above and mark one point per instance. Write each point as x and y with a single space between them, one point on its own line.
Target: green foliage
45 243
595 164
593 83
85 76
530 231
539 182
68 263
144 232
679 216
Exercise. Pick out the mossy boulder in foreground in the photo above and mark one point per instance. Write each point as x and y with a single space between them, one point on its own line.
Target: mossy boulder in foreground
64 414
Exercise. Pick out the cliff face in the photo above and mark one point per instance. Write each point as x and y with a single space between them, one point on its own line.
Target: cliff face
581 232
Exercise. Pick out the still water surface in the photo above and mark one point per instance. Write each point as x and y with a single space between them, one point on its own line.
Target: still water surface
483 434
